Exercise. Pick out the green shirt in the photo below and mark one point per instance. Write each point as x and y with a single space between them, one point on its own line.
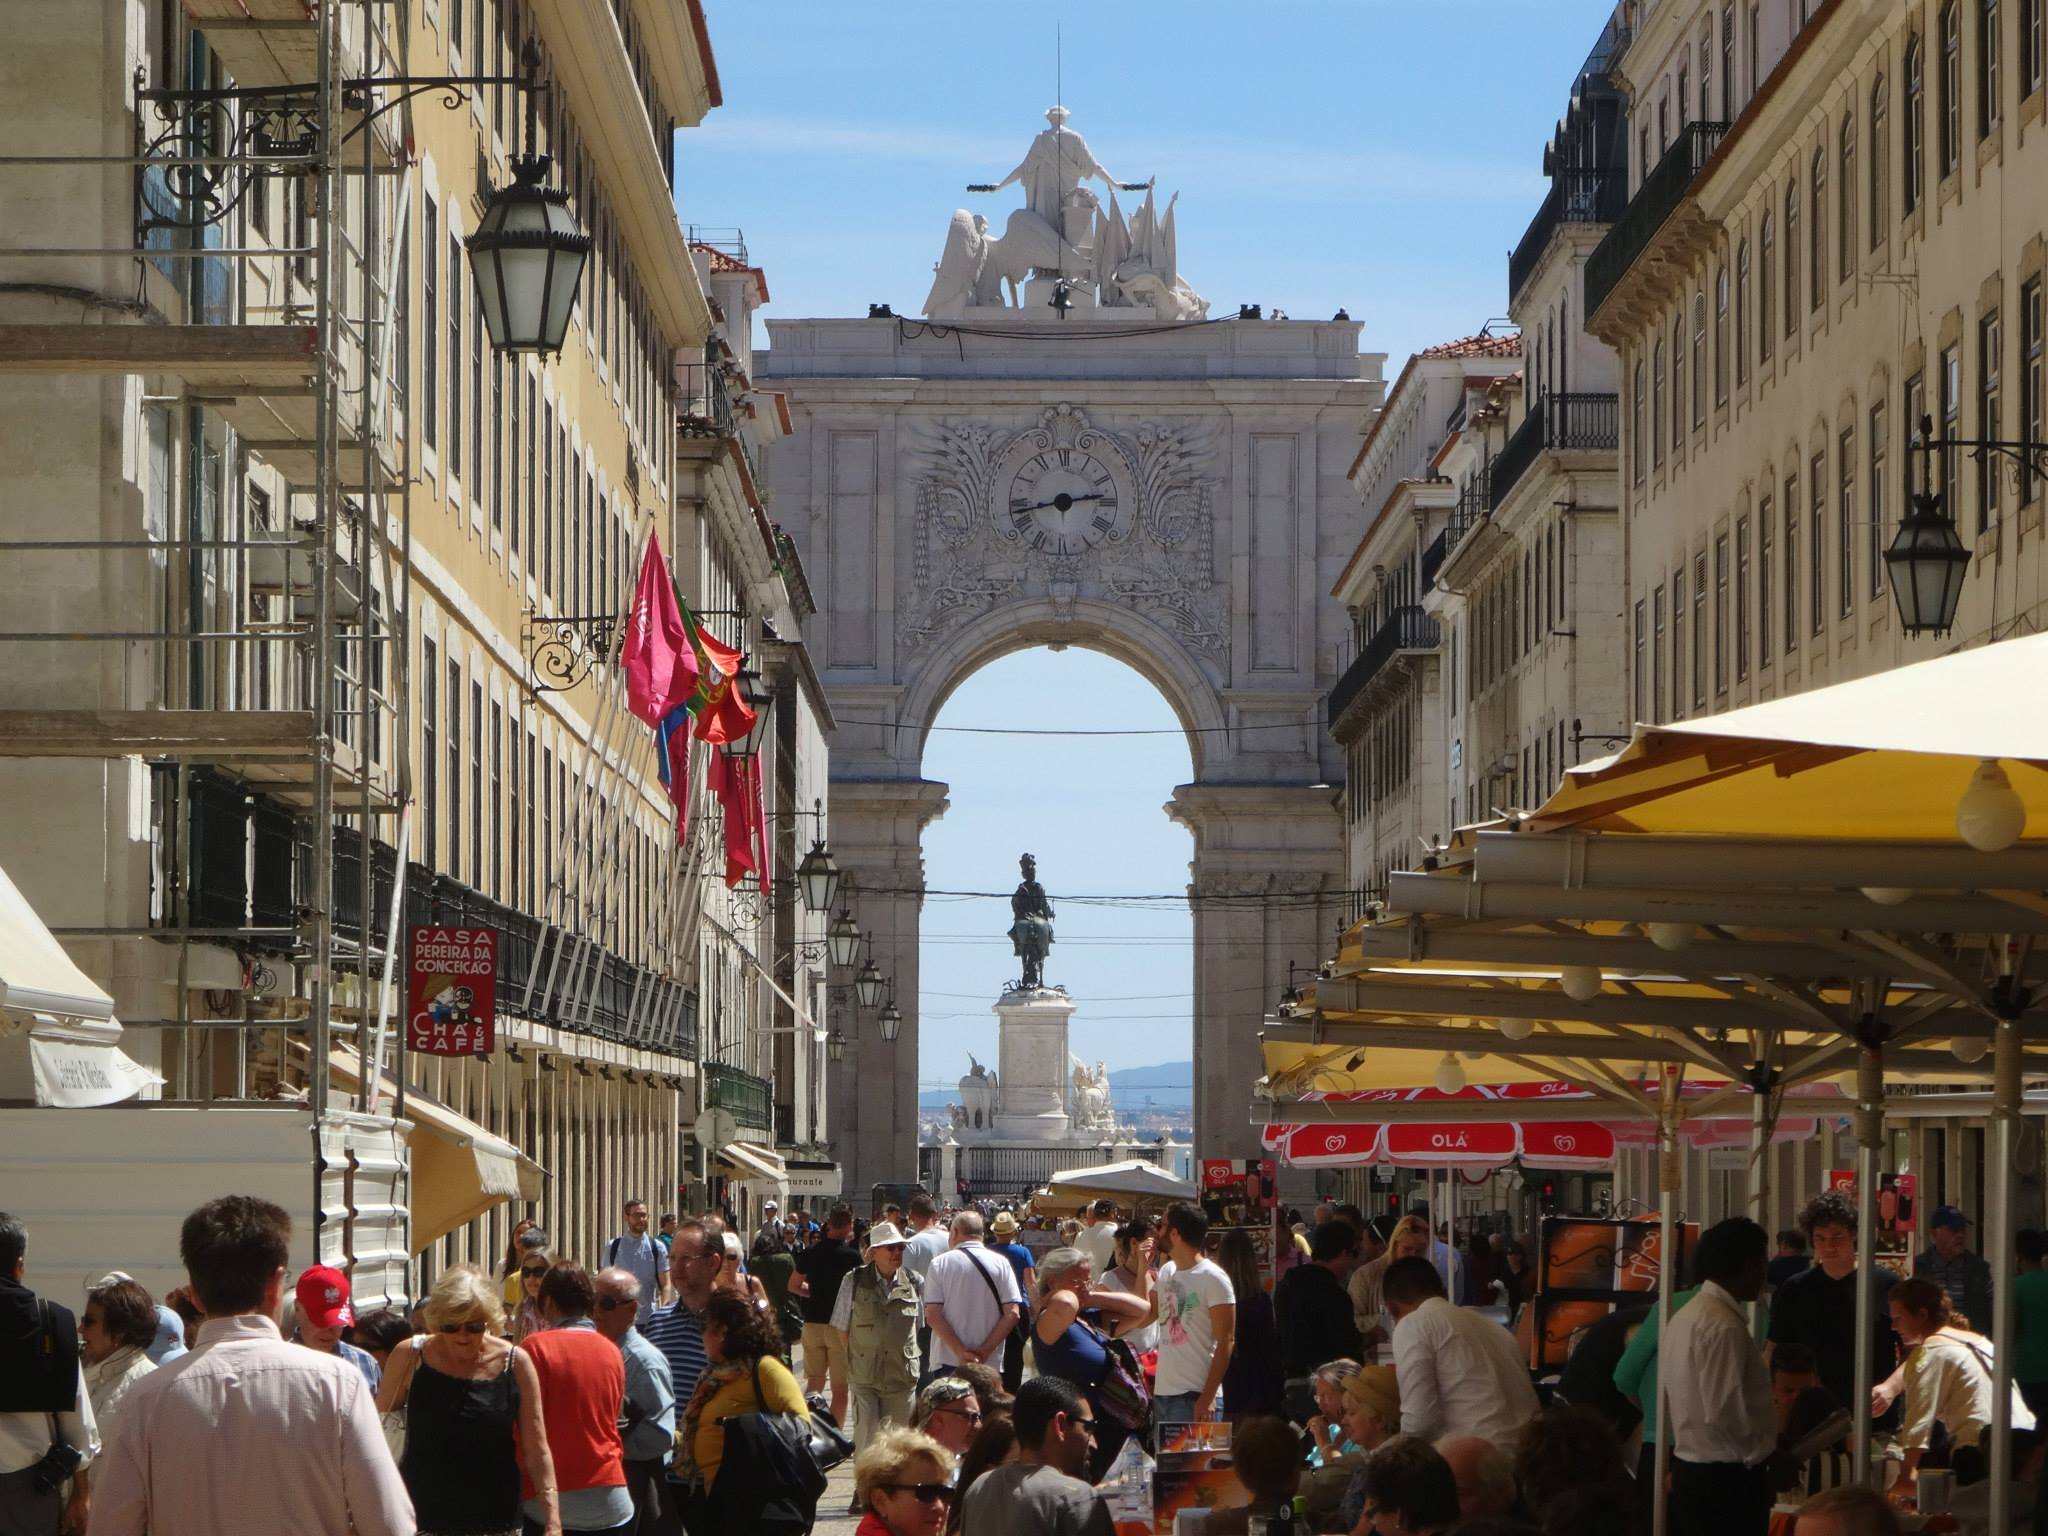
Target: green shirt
1636 1375
2030 1313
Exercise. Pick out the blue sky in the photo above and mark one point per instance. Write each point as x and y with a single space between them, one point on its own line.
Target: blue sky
1379 155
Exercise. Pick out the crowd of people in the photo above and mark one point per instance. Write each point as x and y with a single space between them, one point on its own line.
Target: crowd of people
992 1386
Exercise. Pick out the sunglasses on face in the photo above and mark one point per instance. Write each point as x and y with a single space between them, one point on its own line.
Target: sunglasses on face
924 1493
613 1303
477 1326
533 1271
970 1416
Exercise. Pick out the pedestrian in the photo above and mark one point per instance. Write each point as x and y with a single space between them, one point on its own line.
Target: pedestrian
928 1239
1003 1235
1068 1341
169 1342
119 1325
819 1270
1948 1376
1724 1429
987 1382
1587 1380
1412 1489
902 1484
527 1239
323 1312
677 1330
949 1410
380 1332
1265 1457
1816 1307
471 1407
1461 1373
1254 1383
640 1252
1449 1262
1406 1237
47 1429
528 1317
995 1446
647 1419
248 1432
875 1314
1098 1236
1312 1307
745 1374
1790 1258
581 1384
1042 1492
1372 1417
1950 1264
1132 1275
1567 1456
1197 1322
1328 1444
733 1274
774 1266
1518 1278
666 1232
1484 1474
971 1299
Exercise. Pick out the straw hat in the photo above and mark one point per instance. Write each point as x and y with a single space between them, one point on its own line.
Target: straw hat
1005 1225
1373 1391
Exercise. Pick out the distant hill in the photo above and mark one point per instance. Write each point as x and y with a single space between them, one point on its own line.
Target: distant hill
1162 1086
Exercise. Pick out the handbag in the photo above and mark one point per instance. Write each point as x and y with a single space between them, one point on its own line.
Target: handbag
1121 1394
830 1445
769 1481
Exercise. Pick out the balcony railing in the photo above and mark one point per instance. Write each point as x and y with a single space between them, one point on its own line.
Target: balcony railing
1655 201
746 1096
1474 504
1557 423
1433 556
1576 197
1407 628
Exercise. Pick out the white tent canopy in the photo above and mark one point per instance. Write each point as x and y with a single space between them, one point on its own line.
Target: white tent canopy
1133 1177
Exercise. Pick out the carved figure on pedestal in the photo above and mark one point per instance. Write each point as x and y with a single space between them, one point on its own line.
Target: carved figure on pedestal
977 1096
1092 1110
1031 930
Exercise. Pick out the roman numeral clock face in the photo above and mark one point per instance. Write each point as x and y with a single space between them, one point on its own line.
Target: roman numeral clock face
1063 501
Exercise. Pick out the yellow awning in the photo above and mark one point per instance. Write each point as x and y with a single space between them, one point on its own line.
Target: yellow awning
750 1160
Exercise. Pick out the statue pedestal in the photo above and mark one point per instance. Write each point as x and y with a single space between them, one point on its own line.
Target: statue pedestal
1032 1071
1038 294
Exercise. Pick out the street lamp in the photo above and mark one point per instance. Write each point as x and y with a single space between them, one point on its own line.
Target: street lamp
527 257
1926 562
842 939
891 1017
867 984
835 1046
818 875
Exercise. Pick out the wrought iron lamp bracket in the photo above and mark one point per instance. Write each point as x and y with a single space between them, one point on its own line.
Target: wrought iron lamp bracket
563 649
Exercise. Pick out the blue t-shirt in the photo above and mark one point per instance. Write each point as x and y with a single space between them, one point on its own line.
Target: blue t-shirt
1020 1260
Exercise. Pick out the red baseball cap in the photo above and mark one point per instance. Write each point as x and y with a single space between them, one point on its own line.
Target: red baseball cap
323 1298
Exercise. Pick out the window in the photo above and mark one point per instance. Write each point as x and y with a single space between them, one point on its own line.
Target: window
455 697
476 407
1677 384
1916 409
1766 276
1990 467
1728 63
1684 97
1635 425
476 782
1845 197
1707 72
1793 256
454 355
1742 313
1657 406
1764 532
497 885
1699 360
1657 654
1741 598
1636 681
497 441
1950 123
1880 151
1791 563
571 527
1756 44
1699 630
1721 337
1817 254
2030 47
430 328
1878 529
1987 68
519 824
1915 128
529 423
430 760
1951 382
1816 540
1845 519
1678 687
1721 614
2031 381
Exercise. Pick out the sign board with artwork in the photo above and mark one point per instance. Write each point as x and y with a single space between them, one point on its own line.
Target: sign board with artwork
451 1000
1239 1192
1898 1195
1586 1267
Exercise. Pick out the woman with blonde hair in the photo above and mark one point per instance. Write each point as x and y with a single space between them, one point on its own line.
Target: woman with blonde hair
528 1318
1409 1239
902 1484
468 1395
1372 1417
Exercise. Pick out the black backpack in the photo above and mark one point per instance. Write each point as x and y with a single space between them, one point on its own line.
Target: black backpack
769 1481
38 1356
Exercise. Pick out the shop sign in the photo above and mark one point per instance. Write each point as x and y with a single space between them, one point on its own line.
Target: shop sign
452 991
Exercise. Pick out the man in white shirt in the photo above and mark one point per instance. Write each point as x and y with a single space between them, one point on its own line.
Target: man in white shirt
928 1239
1197 1323
46 1420
971 1300
1098 1237
1460 1372
1717 1393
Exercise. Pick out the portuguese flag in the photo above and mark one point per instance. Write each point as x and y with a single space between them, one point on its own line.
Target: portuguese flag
722 712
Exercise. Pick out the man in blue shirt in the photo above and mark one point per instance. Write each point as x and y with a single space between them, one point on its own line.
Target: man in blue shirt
1952 1266
647 1419
639 1253
1003 1240
323 1311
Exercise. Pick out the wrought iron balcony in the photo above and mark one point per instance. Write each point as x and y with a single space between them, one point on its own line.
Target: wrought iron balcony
1474 506
1576 197
1433 556
1555 423
1406 629
1654 203
746 1096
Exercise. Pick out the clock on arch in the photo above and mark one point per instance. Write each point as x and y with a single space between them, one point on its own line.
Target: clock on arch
1064 493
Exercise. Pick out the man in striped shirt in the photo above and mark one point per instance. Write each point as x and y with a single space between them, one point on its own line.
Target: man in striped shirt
694 1257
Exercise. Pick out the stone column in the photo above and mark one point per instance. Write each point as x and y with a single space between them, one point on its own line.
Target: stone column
1267 888
877 831
1031 1089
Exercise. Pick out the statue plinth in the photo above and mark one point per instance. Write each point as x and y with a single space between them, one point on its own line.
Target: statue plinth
1032 1097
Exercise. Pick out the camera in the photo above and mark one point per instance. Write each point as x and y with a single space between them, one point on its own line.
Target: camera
58 1463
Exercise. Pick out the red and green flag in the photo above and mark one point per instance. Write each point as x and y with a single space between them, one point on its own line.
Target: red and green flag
721 709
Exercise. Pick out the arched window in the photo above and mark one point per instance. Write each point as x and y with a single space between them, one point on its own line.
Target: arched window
1910 182
1699 358
1817 237
1793 256
1742 313
1635 425
1950 125
1678 382
1845 197
1657 405
1728 62
1988 74
1721 336
1766 277
1880 154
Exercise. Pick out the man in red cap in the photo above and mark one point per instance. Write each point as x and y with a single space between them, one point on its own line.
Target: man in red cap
323 1313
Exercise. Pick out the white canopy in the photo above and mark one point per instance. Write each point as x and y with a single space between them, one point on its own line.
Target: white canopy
1134 1177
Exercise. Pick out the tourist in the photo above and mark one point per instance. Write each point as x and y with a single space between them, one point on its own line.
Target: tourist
1790 1258
647 1418
1853 1510
994 1446
169 1342
1947 1375
1313 1310
677 1330
742 1348
876 1314
1518 1279
1817 1306
47 1429
1950 1264
1587 1380
1635 1377
971 1300
1372 1417
1571 1456
1407 1238
1132 1274
529 1317
928 1239
2030 1321
115 1332
580 1381
1068 1341
528 1242
383 1330
1448 1261
639 1252
1265 1457
1411 1491
1003 1231
902 1484
1197 1323
819 1270
987 1382
1461 1373
1098 1237
248 1432
666 1232
1041 1493
771 1263
948 1410
1328 1444
1724 1430
1482 1264
323 1312
1255 1382
1484 1475
733 1274
471 1407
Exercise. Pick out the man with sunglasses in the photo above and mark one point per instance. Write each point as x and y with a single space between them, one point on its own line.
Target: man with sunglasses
647 1421
948 1410
1042 1492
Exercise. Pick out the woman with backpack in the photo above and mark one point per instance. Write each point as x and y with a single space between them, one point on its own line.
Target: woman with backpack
1069 1339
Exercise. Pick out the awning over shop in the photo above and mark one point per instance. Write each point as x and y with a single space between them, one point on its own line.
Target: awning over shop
810 1179
459 1169
1133 1177
751 1161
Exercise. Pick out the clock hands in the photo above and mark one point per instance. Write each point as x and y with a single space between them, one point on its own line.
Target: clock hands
1056 502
